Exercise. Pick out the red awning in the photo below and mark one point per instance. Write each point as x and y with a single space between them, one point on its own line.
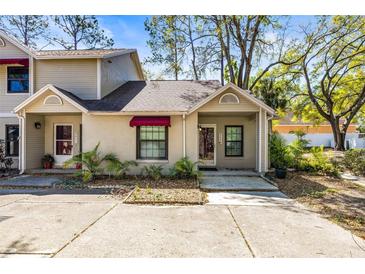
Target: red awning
150 121
18 61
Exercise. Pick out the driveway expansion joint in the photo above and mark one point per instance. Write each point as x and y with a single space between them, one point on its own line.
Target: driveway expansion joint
82 231
241 232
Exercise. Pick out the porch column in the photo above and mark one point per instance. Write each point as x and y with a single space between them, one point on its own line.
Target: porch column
260 140
22 156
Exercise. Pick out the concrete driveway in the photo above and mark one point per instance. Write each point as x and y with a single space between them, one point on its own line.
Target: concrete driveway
53 224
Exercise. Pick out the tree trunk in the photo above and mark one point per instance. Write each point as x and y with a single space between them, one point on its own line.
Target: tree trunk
338 136
222 68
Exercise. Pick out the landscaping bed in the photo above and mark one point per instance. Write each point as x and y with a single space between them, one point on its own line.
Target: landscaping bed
167 192
339 200
143 190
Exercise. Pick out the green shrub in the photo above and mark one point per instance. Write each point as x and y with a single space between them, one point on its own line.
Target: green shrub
153 171
354 160
320 162
185 168
119 168
279 152
297 149
91 162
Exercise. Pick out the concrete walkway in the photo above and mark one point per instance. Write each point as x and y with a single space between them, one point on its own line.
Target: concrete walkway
235 183
30 181
47 223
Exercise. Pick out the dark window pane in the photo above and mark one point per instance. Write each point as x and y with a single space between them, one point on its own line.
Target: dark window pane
12 140
152 142
63 147
18 79
234 141
63 132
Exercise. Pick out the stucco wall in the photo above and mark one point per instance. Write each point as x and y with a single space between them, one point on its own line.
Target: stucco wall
115 135
248 161
77 76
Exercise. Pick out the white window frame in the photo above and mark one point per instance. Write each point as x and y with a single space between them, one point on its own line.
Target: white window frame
229 103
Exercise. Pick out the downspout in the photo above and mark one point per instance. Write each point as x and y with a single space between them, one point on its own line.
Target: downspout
22 132
184 135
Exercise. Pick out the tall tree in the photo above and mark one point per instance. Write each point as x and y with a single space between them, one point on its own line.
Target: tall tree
184 45
332 64
28 29
165 43
81 31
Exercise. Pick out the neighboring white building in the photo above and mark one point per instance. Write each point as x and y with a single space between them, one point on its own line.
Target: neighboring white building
318 135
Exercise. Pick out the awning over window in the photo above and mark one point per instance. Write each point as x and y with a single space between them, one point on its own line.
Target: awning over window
17 61
150 121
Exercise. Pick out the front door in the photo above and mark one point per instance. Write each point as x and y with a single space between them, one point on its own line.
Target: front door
63 143
207 141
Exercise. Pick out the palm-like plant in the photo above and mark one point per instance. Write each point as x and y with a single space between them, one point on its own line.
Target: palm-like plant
185 168
91 162
119 168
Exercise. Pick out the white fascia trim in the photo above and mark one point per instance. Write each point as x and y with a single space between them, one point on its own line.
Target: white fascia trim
43 90
239 90
98 78
7 115
136 113
17 44
91 56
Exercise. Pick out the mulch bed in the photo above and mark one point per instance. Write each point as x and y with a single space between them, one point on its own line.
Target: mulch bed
167 192
338 200
143 190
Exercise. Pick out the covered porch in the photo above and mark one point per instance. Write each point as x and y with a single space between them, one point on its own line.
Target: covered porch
50 123
230 141
59 135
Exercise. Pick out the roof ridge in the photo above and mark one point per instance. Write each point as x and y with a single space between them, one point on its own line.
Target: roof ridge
114 49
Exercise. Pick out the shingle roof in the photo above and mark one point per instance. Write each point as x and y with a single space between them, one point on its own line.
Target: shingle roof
92 53
151 96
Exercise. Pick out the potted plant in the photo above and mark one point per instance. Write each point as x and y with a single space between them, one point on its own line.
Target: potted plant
279 155
47 161
281 167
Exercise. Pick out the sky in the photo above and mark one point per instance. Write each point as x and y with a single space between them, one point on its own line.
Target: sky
128 31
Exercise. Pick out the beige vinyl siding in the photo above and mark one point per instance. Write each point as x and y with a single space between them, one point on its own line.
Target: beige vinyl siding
34 141
37 106
11 51
115 71
3 123
248 160
115 135
78 76
8 101
49 123
244 105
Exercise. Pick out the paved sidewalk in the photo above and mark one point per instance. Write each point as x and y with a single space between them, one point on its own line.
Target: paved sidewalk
30 181
235 183
52 224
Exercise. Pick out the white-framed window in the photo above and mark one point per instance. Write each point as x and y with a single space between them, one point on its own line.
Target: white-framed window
18 80
229 98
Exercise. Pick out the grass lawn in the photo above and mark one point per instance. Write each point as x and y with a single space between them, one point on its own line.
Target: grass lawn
338 200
